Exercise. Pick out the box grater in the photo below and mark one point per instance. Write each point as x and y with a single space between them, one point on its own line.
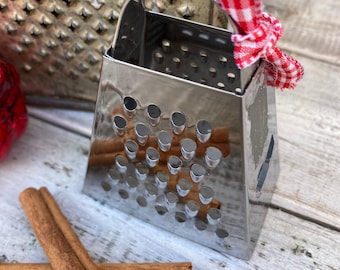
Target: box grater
182 138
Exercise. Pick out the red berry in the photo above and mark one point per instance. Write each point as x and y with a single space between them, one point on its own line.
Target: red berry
13 112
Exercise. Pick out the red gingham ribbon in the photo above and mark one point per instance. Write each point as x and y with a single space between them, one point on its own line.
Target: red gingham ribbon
259 34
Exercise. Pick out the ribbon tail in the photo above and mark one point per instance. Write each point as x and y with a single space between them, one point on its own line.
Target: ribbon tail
283 71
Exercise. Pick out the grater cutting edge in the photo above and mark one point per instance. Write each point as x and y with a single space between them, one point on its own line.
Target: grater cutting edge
182 138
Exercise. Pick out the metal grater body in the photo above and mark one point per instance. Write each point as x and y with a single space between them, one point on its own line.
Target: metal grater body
182 139
57 46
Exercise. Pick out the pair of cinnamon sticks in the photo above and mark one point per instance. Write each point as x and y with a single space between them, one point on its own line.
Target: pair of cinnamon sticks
61 244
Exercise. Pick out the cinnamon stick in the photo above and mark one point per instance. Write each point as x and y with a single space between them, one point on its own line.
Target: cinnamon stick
60 243
103 266
67 230
51 238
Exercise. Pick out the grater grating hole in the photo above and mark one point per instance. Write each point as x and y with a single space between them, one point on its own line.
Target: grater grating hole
223 60
176 61
152 157
171 199
141 171
162 179
222 233
188 148
85 14
177 122
204 56
185 50
220 85
29 8
231 77
106 186
142 134
151 190
10 29
45 22
101 28
73 25
121 163
206 194
159 57
213 157
35 32
131 148
183 187
123 194
238 91
129 106
197 172
213 216
203 130
113 174
27 67
168 70
185 76
201 225
141 201
50 71
203 81
204 36
153 113
180 217
174 164
68 2
194 66
132 183
26 41
161 210
56 11
3 6
166 45
119 125
191 208
212 72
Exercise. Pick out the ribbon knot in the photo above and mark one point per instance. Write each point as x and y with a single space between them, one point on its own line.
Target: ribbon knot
262 32
258 43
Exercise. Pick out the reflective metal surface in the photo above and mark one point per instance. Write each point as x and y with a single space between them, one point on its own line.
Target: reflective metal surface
57 45
208 167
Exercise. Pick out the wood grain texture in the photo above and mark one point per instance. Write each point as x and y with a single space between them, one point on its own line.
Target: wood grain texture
309 134
311 27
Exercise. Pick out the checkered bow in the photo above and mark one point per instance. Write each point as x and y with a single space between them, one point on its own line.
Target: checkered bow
257 37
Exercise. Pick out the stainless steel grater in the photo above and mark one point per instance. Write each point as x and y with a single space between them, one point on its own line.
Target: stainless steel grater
182 138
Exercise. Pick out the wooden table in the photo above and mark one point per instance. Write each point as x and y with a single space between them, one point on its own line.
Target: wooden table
301 230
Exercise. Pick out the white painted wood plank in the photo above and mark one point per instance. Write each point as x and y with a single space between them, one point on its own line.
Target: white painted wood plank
311 27
52 157
76 121
309 133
